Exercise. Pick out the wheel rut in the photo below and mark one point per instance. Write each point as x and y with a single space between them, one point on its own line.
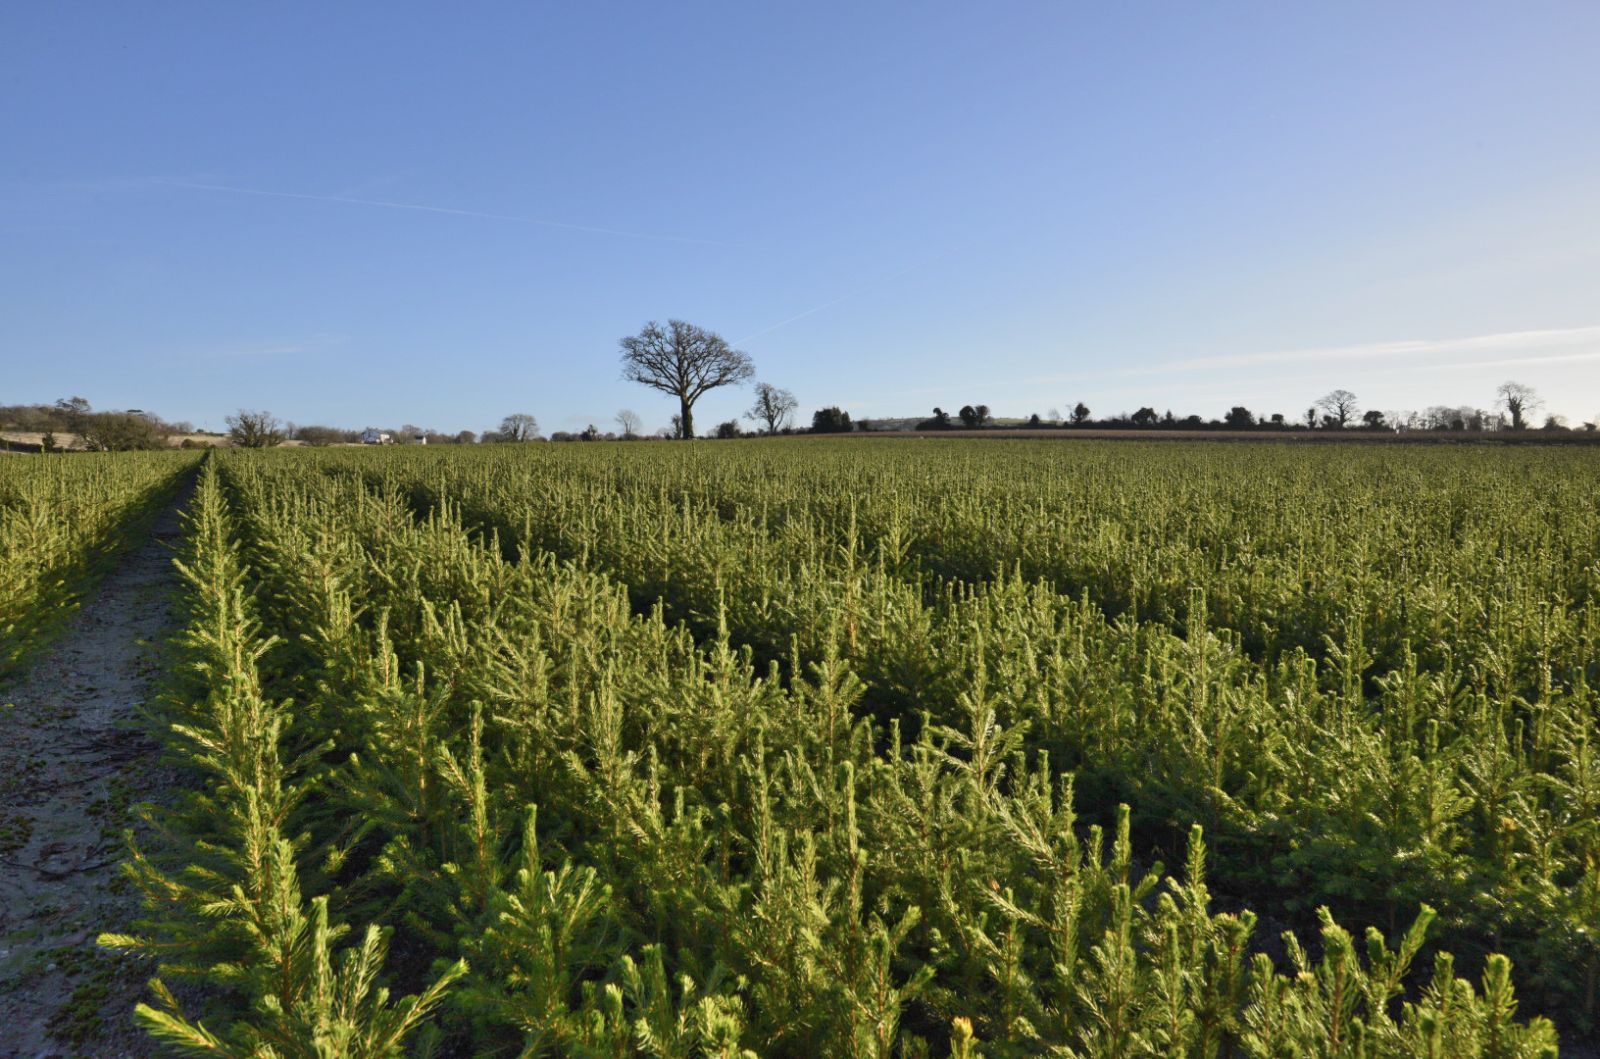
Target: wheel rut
73 760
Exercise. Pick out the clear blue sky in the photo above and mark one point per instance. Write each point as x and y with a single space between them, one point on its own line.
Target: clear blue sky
889 206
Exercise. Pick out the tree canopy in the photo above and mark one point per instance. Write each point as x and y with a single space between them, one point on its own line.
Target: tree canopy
685 361
519 426
773 407
831 420
254 430
1341 407
1519 401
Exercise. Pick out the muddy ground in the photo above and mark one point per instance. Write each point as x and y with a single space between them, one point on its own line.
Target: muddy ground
73 759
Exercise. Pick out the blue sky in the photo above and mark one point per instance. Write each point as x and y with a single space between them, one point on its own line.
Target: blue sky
379 213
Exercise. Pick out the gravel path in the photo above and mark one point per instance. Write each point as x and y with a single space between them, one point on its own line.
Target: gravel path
72 759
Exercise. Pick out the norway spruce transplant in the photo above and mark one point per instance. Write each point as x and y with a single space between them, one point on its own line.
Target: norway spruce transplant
863 748
58 519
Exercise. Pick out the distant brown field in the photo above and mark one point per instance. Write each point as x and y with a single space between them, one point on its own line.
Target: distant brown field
1310 437
11 439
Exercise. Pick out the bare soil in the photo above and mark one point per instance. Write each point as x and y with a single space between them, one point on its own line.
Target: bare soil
1304 437
73 758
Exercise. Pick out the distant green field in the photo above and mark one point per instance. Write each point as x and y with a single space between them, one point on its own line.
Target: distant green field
908 747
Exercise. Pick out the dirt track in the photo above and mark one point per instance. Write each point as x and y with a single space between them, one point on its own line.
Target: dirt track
71 761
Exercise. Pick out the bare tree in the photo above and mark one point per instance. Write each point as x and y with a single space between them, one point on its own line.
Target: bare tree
74 412
519 426
629 421
1444 417
1519 401
254 430
1341 407
773 407
685 361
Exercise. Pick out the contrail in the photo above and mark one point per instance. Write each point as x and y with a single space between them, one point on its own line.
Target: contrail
421 207
846 297
1542 346
1508 341
799 316
1517 362
1536 345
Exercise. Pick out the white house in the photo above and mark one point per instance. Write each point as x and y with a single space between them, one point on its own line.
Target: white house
376 437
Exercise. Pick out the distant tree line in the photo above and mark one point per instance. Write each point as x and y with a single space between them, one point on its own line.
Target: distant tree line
772 414
1515 409
73 423
686 362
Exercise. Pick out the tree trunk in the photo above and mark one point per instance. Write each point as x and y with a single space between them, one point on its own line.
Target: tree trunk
685 419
